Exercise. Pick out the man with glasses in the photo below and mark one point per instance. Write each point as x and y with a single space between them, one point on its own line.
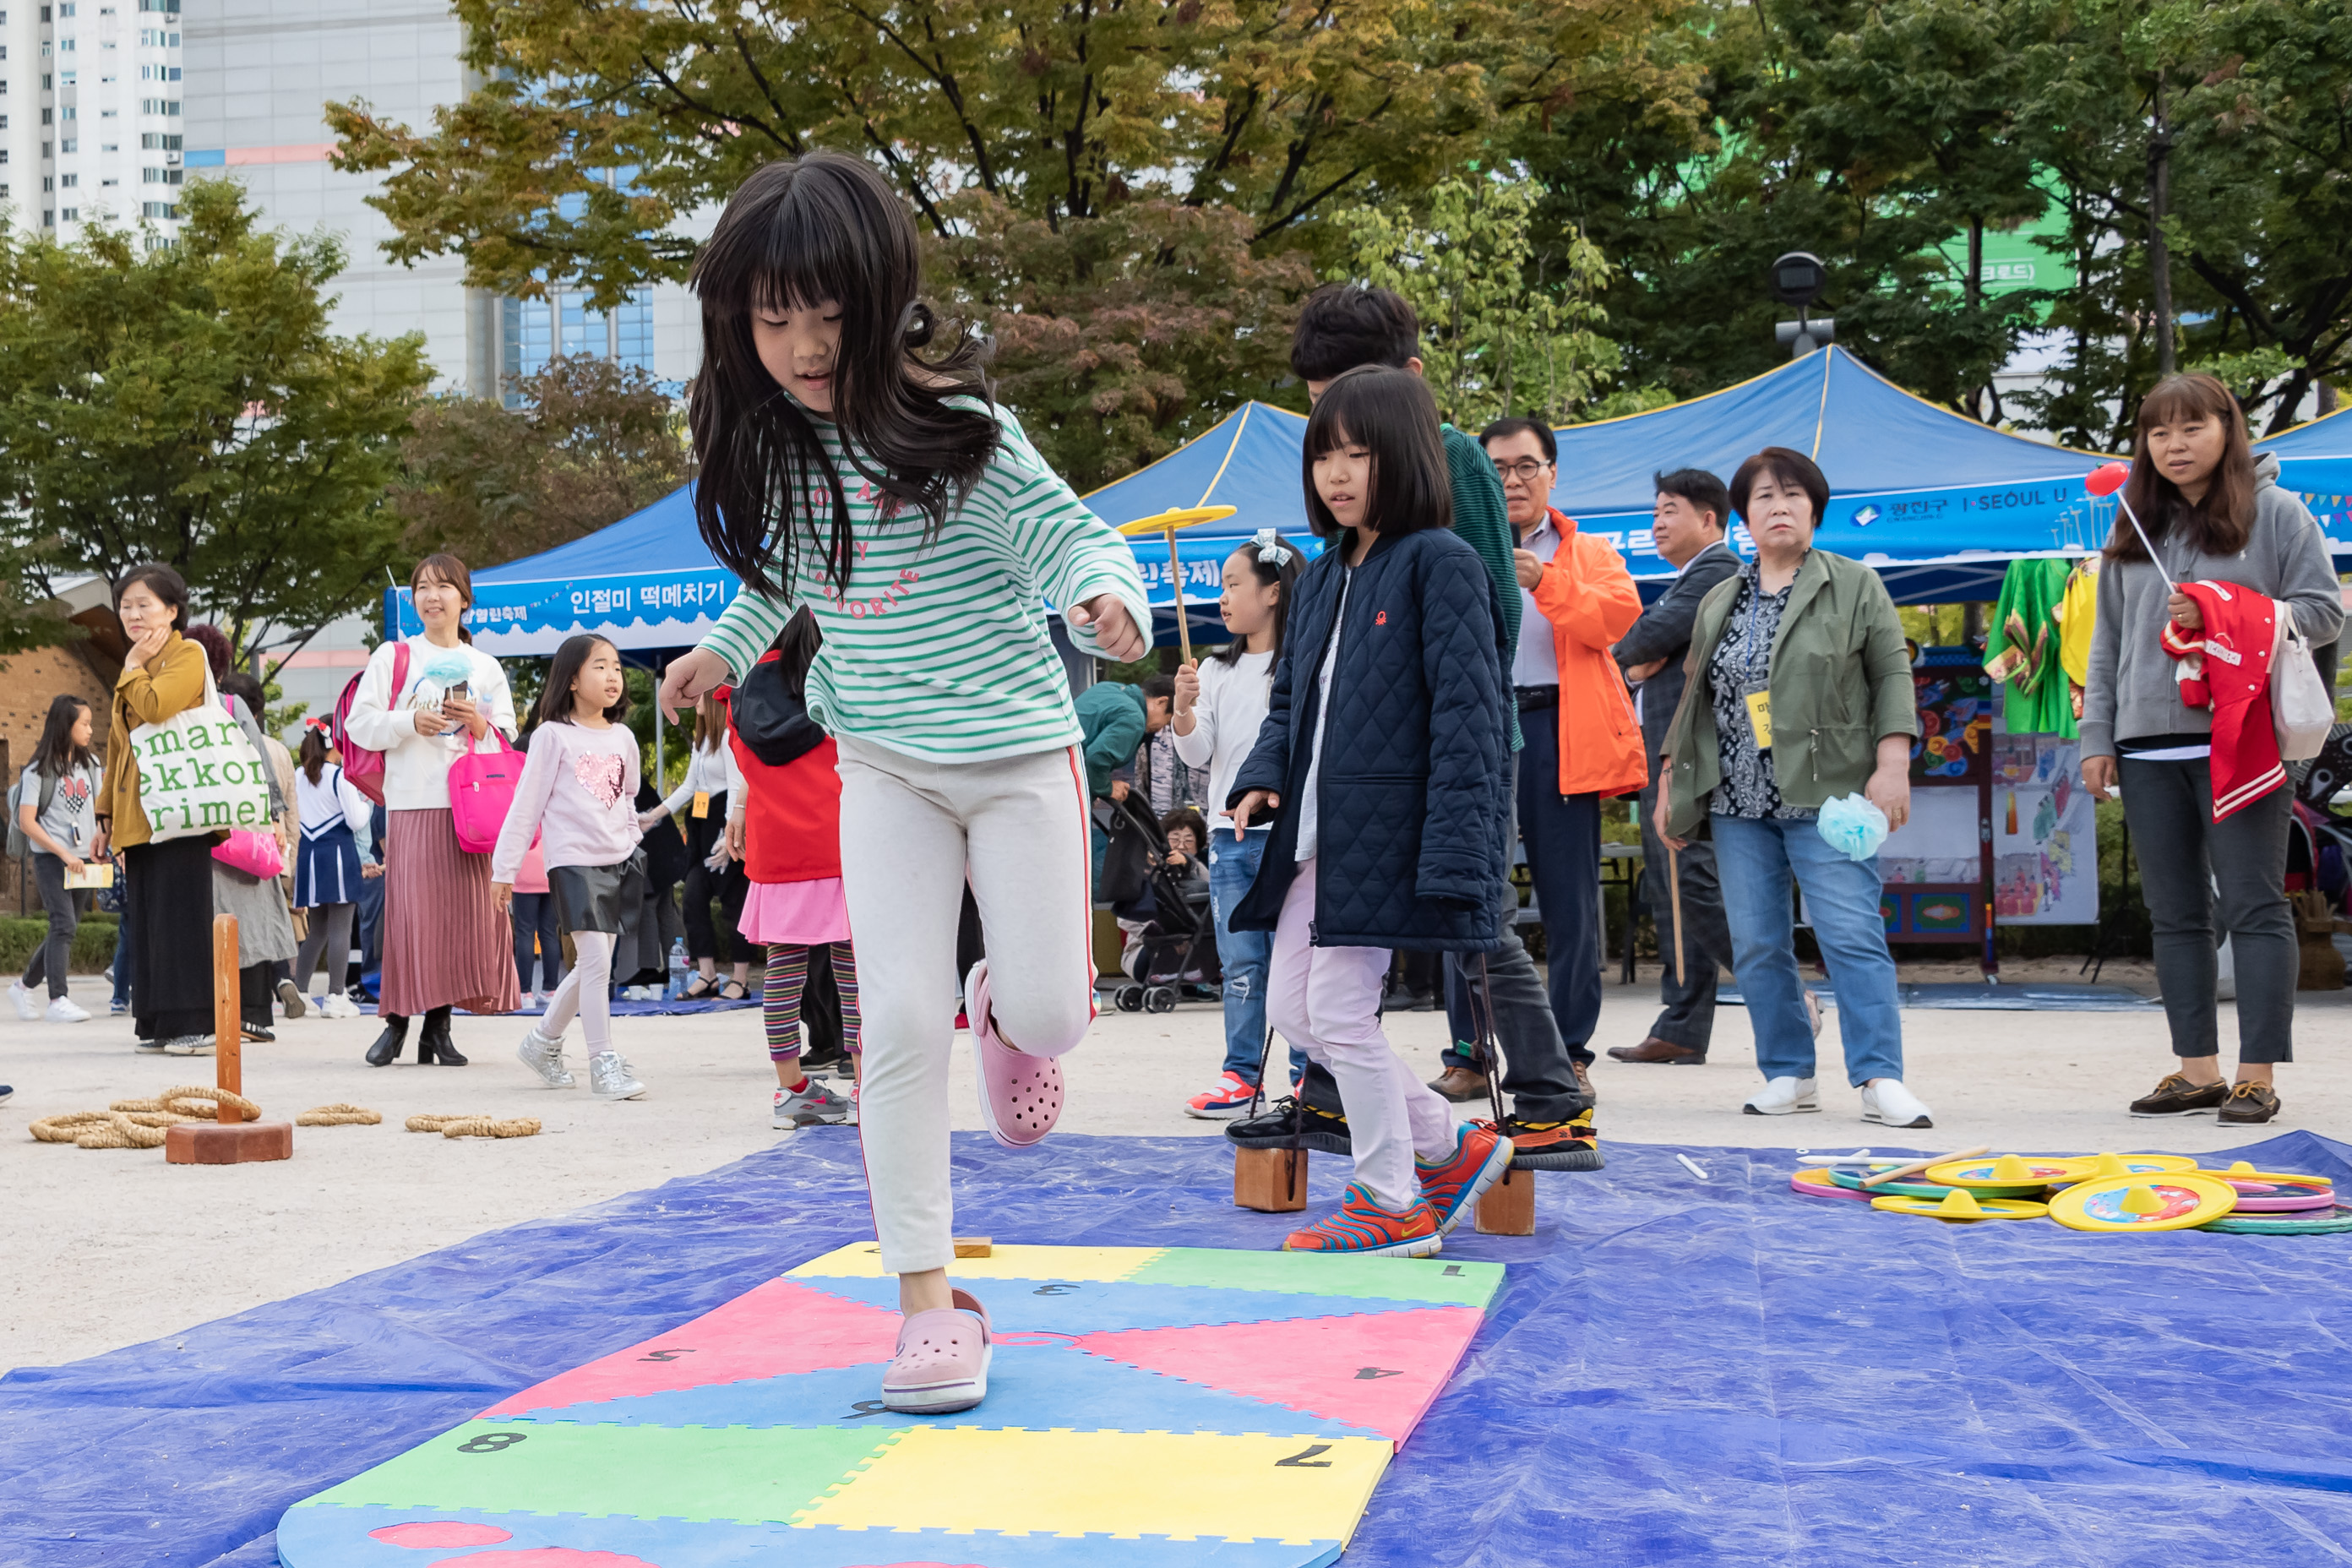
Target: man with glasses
1583 743
1688 522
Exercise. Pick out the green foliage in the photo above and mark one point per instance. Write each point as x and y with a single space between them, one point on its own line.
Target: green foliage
1506 328
188 405
589 443
1120 337
92 950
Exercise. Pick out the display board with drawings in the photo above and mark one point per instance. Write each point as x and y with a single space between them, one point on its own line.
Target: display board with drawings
2045 833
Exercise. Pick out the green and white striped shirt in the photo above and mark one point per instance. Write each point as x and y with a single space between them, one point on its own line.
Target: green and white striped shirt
942 651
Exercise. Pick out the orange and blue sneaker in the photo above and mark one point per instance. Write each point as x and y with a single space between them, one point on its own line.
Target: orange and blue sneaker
1364 1228
1449 1186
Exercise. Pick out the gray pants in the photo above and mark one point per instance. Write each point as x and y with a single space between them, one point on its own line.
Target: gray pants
2184 854
65 908
1688 1020
331 933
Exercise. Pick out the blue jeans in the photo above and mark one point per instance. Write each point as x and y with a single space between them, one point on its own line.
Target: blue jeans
1756 861
1243 955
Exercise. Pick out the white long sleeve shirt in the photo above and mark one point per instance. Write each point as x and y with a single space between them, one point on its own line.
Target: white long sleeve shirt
711 773
1226 720
416 767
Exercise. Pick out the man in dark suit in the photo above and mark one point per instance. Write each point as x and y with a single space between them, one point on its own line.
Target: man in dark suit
1692 512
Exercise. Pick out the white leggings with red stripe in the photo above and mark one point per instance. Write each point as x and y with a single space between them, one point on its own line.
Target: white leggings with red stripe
911 833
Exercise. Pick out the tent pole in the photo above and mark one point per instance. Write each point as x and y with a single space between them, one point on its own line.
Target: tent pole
661 780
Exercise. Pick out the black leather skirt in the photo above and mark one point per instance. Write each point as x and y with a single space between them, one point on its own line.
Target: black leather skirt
591 897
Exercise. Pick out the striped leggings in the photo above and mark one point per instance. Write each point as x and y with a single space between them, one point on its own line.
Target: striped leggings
780 999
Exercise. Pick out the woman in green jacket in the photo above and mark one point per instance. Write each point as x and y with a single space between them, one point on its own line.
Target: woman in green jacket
1800 692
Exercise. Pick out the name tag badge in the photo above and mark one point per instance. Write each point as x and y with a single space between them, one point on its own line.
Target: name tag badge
1758 699
702 802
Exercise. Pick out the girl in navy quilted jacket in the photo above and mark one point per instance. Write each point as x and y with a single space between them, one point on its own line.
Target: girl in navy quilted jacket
1386 751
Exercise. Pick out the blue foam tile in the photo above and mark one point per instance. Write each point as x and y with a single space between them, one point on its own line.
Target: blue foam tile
1036 1386
315 1535
1093 1306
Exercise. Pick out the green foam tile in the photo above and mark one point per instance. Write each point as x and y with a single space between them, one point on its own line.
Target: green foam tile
748 1474
1435 1281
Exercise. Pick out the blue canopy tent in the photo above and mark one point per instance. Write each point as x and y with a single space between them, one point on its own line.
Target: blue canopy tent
2315 460
1938 503
1249 460
648 583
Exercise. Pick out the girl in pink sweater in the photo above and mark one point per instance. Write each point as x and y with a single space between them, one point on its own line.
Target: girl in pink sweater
577 794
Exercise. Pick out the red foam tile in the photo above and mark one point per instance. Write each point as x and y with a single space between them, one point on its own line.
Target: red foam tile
1379 1370
777 1330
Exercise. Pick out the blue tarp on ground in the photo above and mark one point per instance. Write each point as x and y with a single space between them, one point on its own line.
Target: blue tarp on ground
1677 1373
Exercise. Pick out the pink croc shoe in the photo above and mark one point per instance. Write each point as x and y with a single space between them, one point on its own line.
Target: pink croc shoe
941 1366
1020 1096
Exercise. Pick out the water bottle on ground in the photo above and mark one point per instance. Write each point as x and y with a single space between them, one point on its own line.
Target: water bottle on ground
678 967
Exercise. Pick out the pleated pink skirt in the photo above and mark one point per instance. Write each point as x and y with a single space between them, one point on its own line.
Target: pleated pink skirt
446 943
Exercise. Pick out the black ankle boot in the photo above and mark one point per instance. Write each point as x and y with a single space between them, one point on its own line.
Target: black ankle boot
386 1049
434 1045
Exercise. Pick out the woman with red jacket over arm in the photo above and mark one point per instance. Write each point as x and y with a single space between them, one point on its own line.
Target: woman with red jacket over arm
784 823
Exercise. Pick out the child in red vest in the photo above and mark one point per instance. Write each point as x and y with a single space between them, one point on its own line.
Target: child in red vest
784 823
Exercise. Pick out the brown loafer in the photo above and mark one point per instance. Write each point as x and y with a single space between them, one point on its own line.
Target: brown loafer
1460 1085
1584 1082
1655 1049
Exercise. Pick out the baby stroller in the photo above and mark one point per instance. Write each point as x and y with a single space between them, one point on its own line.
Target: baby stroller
1174 957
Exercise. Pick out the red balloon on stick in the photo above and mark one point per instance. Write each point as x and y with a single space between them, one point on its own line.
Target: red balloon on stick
2106 479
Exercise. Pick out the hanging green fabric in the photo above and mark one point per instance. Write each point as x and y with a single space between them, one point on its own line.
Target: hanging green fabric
2022 651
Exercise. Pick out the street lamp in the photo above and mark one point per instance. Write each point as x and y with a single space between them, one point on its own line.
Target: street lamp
1798 279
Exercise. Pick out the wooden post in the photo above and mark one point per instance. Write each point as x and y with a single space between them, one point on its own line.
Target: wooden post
1508 1207
228 1018
231 1140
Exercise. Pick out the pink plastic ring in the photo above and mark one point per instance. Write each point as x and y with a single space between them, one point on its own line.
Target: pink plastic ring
2284 1200
1825 1190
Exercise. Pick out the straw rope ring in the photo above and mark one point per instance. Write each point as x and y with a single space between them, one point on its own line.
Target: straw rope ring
341 1113
67 1126
97 1130
246 1110
475 1126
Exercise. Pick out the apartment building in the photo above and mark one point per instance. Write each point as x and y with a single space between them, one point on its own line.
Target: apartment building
90 122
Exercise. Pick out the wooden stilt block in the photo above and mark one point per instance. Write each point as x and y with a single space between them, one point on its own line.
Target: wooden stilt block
1271 1181
1508 1207
233 1140
975 1246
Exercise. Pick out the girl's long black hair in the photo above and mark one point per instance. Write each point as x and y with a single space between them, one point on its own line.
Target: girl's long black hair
313 756
797 647
824 228
1389 413
1282 576
555 704
56 755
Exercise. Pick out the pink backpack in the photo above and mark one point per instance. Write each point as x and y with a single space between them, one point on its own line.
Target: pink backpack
363 765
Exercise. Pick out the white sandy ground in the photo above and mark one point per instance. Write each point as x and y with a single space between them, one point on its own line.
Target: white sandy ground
109 1248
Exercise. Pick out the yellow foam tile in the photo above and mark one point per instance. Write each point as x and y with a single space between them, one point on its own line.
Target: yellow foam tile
1185 1484
1098 1264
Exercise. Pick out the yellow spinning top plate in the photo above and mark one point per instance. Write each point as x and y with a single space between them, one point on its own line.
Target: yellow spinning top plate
1963 1208
2167 1200
2242 1170
2007 1171
1177 517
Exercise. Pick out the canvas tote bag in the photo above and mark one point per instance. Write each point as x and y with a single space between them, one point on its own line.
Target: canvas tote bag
198 774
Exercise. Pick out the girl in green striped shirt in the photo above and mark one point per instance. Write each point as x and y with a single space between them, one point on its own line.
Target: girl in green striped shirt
887 493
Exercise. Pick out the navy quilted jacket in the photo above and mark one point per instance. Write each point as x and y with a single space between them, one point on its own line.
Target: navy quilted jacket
1412 808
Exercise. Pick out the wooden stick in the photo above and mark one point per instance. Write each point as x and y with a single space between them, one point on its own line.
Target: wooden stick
1176 575
1917 1166
228 1020
1674 888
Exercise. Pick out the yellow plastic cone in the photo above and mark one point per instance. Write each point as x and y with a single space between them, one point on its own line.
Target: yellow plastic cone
2240 1168
2142 1200
2108 1165
1959 1204
2010 1170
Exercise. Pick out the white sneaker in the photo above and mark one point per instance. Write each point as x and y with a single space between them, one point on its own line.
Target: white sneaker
338 1005
1885 1099
1784 1096
815 1105
28 1006
609 1078
63 1011
545 1057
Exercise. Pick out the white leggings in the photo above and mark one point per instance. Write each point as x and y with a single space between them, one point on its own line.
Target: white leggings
912 834
587 990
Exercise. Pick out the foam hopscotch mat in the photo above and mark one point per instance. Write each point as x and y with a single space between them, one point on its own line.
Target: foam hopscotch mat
1165 1407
